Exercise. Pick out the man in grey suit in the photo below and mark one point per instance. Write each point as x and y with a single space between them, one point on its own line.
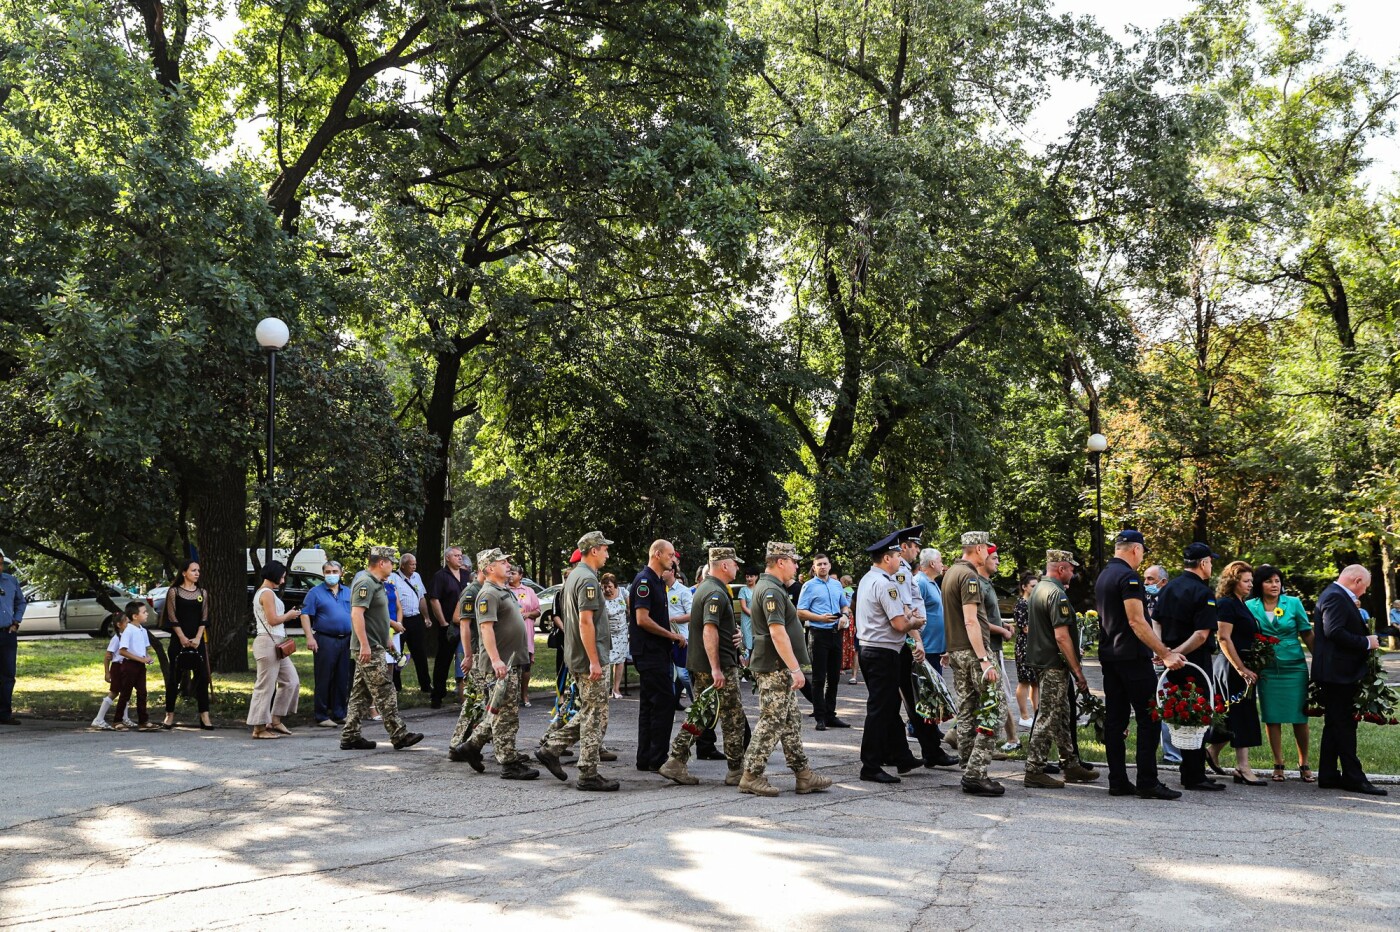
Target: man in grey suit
1339 662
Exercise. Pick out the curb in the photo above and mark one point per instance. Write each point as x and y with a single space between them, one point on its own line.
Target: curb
1380 779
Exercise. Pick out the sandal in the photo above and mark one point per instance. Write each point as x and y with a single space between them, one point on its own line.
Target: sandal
1214 763
280 728
266 735
1305 774
1278 776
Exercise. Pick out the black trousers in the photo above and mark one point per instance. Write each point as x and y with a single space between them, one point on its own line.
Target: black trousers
415 637
883 741
656 715
826 671
1129 687
928 736
446 643
1193 763
1338 760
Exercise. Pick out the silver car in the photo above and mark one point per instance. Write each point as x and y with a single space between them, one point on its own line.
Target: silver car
75 610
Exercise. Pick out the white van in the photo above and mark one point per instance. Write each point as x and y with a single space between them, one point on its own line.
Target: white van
307 561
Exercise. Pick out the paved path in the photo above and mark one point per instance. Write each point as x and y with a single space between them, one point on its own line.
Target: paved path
190 829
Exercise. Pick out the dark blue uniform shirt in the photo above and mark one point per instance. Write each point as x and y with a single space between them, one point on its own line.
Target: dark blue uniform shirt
1117 585
648 592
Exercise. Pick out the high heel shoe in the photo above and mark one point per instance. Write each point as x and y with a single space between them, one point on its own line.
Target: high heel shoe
1214 764
1241 778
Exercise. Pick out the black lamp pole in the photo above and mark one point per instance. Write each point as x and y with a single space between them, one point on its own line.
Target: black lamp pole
1098 513
271 455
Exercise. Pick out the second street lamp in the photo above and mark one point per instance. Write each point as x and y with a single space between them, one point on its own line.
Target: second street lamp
272 335
1096 445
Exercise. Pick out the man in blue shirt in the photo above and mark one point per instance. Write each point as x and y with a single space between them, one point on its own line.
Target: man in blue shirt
325 617
11 612
934 637
825 607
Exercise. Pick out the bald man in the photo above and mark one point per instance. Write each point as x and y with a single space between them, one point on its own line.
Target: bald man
651 638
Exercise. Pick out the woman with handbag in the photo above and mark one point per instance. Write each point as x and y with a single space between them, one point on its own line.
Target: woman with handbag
276 689
186 617
1236 628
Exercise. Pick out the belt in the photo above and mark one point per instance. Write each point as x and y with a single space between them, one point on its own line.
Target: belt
414 615
338 637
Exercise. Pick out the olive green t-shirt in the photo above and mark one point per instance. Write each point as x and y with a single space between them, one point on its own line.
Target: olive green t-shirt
1048 608
962 585
771 605
993 610
583 591
467 606
712 606
498 607
368 593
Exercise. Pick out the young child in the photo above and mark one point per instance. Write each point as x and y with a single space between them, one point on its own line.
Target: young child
135 651
111 672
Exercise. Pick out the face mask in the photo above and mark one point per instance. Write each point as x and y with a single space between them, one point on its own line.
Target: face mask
332 580
1152 589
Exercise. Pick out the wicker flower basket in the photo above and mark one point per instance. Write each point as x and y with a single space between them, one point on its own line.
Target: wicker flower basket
1187 737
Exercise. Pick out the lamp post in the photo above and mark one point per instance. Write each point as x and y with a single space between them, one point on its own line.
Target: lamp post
1096 445
272 335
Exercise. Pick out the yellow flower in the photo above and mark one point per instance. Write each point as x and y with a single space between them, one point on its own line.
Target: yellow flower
1278 612
1092 615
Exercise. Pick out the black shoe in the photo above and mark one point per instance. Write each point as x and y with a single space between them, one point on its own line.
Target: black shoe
436 703
835 722
595 783
941 758
1329 783
408 740
821 726
518 771
879 776
551 763
1369 788
1206 785
983 787
465 753
1241 778
359 744
1161 791
1214 765
710 754
907 765
11 721
1051 768
1122 790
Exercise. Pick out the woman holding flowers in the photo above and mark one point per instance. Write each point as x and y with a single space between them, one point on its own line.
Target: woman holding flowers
1283 683
1236 629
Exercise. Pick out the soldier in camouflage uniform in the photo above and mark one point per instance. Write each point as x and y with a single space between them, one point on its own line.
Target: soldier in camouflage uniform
369 640
1052 647
587 644
478 685
779 650
503 652
974 669
712 627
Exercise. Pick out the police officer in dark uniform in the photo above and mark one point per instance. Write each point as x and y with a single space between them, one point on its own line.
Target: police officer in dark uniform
1126 646
1186 613
650 638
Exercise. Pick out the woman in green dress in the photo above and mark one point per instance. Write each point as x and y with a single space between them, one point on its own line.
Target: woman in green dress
1283 684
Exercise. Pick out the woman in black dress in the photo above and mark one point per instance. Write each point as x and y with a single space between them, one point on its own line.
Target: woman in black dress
1027 682
186 617
1236 629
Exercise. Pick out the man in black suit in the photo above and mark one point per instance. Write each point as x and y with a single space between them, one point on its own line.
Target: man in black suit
1339 661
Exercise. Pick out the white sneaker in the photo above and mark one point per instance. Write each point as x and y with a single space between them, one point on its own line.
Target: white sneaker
1025 722
1011 746
101 724
128 723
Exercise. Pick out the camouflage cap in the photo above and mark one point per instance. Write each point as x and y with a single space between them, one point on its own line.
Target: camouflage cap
976 539
778 549
494 555
383 553
1060 556
592 539
722 552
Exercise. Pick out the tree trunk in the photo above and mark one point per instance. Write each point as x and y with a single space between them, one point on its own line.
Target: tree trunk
221 512
441 419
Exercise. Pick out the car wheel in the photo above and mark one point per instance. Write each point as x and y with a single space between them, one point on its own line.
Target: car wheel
103 633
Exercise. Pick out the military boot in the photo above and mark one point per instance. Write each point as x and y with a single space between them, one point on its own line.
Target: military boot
983 787
607 754
809 781
357 744
1044 780
595 783
756 784
734 776
465 752
675 771
1078 773
407 741
551 762
518 770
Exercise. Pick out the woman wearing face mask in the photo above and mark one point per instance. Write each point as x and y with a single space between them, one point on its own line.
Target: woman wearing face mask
1283 684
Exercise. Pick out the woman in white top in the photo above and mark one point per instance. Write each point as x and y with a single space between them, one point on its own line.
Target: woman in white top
276 689
616 600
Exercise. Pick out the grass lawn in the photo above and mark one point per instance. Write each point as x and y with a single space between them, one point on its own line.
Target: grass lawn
1378 746
63 679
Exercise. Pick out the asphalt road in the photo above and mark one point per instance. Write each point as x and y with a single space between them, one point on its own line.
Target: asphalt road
195 830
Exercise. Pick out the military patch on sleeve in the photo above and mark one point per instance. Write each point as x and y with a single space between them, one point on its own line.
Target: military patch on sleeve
362 592
899 578
894 593
1210 602
643 590
481 605
1064 608
770 602
1132 582
712 607
590 592
972 588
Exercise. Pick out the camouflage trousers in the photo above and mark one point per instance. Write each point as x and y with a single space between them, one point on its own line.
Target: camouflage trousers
974 749
502 727
587 728
778 720
1052 722
373 685
473 714
730 720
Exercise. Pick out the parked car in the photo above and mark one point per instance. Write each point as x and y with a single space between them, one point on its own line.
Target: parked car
299 583
547 597
75 609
